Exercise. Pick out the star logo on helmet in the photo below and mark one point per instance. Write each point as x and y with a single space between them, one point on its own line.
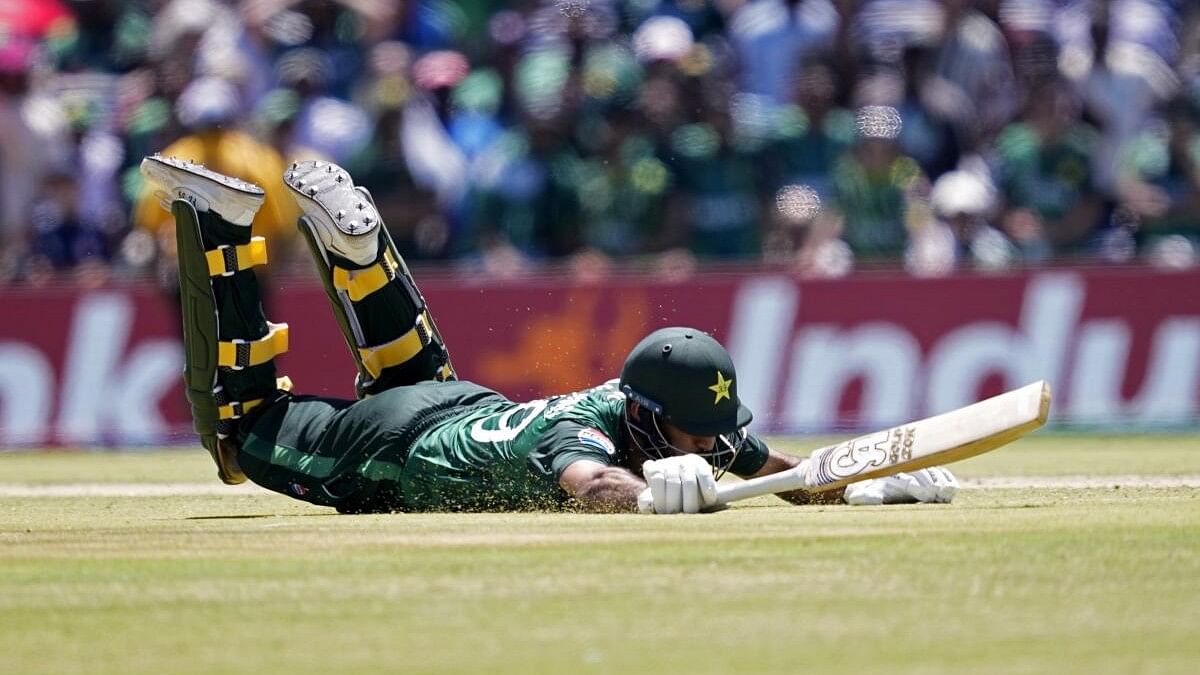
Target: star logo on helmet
721 388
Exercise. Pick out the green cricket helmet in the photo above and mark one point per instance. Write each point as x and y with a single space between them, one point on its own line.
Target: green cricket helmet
686 378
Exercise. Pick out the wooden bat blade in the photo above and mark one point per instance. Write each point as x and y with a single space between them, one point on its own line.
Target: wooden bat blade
941 439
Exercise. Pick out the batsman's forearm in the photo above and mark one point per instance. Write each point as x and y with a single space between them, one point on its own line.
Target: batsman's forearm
613 490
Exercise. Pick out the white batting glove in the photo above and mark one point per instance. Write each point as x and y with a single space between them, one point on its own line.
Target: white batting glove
933 485
683 484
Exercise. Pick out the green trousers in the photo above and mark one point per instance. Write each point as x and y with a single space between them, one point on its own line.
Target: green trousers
343 453
333 452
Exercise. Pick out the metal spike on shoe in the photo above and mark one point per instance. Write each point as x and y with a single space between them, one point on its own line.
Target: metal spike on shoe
197 169
235 200
335 209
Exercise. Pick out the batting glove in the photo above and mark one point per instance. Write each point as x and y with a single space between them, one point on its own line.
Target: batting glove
933 485
682 484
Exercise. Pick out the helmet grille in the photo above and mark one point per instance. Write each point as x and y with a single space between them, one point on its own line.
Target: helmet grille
648 436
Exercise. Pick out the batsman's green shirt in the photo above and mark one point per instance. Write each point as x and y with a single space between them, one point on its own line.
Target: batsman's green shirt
441 447
510 455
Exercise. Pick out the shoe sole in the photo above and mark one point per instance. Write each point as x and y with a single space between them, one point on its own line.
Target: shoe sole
155 163
231 197
324 188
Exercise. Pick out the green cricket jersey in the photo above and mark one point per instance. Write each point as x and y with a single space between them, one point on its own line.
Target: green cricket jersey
439 446
509 456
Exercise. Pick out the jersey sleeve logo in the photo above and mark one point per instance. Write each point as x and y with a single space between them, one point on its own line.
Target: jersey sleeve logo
594 438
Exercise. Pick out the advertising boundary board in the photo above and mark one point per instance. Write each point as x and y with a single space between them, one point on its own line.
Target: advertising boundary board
1120 346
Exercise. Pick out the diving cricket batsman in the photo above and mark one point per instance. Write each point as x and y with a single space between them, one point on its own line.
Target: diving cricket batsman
417 438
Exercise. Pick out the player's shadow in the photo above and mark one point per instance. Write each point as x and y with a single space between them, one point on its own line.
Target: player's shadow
243 516
247 516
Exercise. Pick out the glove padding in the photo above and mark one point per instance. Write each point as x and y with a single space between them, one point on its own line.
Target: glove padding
682 484
935 485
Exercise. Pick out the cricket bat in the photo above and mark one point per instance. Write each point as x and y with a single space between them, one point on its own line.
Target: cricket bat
949 437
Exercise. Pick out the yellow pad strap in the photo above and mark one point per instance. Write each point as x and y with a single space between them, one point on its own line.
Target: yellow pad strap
235 409
238 354
358 284
396 352
225 260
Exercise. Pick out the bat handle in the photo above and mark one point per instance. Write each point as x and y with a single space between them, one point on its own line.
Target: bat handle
784 481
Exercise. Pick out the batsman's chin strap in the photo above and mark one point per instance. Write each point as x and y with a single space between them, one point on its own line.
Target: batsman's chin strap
735 449
641 438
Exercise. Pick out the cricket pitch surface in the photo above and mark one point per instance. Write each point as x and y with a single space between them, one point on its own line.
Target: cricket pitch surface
1062 554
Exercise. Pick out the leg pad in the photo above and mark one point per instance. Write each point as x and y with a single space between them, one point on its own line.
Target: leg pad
229 346
382 316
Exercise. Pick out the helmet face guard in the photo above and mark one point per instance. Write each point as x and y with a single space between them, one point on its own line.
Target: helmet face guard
646 431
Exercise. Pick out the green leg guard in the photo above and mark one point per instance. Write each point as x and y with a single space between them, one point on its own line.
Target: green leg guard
382 316
228 343
199 335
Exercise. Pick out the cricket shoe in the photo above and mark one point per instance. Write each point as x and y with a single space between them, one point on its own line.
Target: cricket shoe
234 199
342 215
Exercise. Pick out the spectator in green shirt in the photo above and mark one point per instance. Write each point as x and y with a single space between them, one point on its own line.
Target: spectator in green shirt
1159 183
1044 174
877 190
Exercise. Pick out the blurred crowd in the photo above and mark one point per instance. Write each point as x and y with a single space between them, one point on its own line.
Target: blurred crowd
497 138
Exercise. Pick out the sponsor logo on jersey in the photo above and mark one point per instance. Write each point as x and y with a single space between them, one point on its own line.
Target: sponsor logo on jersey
298 489
594 438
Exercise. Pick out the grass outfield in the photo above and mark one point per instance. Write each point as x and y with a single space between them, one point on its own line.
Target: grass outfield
1011 580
